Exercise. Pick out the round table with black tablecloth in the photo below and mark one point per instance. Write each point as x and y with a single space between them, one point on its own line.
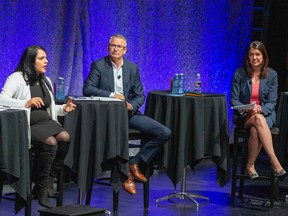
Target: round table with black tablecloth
199 127
99 141
282 119
14 153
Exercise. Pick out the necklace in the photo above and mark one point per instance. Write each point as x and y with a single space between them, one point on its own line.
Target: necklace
256 79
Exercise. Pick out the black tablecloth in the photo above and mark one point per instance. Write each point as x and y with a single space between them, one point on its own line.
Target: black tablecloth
14 151
282 123
99 141
199 126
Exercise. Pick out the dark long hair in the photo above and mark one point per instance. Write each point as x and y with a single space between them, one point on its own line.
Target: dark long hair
264 66
27 64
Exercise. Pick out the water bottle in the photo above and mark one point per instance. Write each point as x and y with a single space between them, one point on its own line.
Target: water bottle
60 89
175 87
181 84
198 84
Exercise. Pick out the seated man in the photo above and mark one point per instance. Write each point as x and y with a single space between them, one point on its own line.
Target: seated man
114 76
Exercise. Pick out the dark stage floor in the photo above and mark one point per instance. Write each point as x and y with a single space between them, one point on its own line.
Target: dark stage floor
202 182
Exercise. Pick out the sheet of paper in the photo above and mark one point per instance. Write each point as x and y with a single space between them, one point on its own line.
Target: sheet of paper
97 98
11 108
245 106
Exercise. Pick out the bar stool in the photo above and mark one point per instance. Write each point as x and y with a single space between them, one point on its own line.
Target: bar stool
244 134
133 135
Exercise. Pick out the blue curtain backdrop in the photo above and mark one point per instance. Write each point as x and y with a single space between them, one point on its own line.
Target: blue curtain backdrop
164 37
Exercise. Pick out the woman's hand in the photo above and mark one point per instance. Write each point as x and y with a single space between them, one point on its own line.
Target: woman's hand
34 102
256 110
70 106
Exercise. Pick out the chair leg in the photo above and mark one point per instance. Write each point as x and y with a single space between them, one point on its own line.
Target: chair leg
272 189
276 190
60 187
146 188
88 196
234 169
1 184
115 200
28 206
274 193
242 172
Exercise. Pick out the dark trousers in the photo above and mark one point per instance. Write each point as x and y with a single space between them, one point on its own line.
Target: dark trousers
156 133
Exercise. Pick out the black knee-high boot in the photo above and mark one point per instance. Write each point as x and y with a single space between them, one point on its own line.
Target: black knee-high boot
58 163
43 164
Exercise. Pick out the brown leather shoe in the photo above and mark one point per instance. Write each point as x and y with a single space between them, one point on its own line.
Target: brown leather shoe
129 185
134 169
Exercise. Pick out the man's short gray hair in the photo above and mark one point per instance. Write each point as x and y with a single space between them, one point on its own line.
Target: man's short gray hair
120 36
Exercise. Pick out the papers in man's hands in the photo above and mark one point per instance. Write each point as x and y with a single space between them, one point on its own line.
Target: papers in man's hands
244 106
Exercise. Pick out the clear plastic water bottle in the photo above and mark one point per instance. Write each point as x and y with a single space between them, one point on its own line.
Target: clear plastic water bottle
198 84
181 84
175 87
60 88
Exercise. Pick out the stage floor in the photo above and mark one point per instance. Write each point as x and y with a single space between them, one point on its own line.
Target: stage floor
203 182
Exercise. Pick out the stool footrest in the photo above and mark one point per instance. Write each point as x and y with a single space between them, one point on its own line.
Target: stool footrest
264 178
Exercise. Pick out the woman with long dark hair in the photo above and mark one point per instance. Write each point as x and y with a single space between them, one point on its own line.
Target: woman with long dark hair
28 87
256 82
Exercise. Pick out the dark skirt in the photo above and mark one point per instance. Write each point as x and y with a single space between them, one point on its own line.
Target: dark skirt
42 126
241 119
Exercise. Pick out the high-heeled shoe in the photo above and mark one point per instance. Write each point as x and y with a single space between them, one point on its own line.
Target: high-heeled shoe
42 195
281 175
254 176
